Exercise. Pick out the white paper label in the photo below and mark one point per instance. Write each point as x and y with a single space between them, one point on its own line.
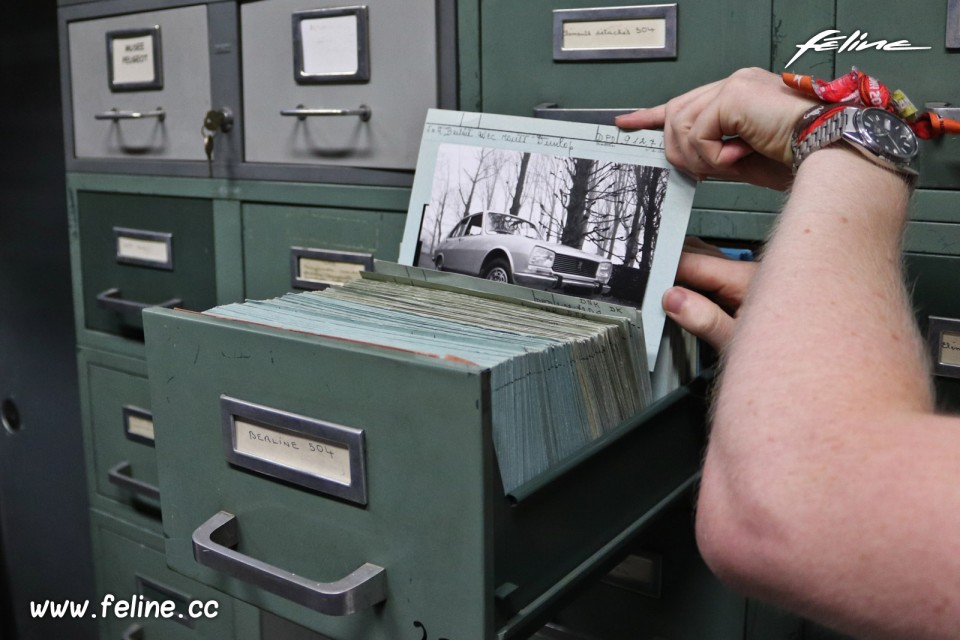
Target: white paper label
140 426
315 457
157 251
330 45
646 33
328 271
133 61
950 349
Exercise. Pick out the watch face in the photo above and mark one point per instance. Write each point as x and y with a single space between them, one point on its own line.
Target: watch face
888 133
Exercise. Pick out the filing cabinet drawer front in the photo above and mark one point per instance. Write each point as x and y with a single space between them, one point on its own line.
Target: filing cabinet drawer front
519 72
120 434
425 476
130 563
402 85
272 232
156 230
179 87
921 74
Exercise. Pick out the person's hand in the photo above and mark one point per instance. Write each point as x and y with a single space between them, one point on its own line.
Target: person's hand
738 128
717 286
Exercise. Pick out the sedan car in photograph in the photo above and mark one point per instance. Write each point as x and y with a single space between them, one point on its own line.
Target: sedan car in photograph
506 248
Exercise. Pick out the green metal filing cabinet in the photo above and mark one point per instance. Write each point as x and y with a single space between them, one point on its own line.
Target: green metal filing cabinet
459 558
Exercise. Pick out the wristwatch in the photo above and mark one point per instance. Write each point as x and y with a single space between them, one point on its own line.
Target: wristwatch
877 133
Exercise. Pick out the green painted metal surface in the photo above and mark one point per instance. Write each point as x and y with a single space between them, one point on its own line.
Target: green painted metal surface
191 280
714 38
428 472
437 518
109 383
270 231
131 563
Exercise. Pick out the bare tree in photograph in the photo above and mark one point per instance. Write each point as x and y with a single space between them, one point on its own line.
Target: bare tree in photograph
438 208
645 224
521 179
474 178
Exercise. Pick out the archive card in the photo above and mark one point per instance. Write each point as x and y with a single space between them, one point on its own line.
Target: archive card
592 216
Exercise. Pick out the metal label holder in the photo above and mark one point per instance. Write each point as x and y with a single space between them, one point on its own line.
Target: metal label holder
149 236
943 336
362 73
297 281
615 15
157 82
130 411
296 426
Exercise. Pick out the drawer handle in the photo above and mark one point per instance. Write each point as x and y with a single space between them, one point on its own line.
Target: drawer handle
133 632
943 109
122 476
116 114
111 300
302 112
212 547
551 111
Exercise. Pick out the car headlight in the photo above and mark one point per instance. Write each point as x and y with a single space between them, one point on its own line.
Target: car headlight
604 271
541 257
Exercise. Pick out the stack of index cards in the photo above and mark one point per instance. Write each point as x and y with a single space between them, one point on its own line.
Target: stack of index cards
560 378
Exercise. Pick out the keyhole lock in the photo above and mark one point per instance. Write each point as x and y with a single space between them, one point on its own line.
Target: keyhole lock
218 120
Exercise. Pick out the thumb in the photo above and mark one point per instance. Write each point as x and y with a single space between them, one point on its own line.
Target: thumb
699 315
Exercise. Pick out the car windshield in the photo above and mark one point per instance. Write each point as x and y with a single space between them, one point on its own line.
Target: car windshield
511 226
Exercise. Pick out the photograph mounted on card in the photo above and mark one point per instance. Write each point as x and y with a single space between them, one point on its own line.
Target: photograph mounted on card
585 210
135 59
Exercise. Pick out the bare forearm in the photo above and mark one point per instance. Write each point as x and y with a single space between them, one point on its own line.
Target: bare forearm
825 358
828 304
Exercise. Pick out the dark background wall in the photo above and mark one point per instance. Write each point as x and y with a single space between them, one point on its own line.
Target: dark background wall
44 533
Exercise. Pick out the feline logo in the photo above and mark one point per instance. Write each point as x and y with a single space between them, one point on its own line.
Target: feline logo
856 41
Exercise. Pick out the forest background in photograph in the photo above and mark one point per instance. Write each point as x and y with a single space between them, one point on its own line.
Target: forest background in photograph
609 209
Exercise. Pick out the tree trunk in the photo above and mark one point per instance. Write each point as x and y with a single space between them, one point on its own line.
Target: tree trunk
521 178
575 227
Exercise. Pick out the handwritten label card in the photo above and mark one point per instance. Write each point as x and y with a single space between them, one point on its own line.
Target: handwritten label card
950 348
321 459
322 456
134 59
615 33
331 45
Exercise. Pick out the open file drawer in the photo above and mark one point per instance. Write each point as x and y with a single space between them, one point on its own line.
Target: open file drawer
423 540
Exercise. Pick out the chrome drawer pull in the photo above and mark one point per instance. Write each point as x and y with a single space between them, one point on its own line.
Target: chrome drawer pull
212 547
943 109
111 300
302 112
120 475
116 114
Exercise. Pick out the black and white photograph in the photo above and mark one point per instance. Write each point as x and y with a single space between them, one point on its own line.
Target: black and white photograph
574 225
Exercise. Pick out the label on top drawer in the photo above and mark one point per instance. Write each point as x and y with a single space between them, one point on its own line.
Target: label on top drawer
322 456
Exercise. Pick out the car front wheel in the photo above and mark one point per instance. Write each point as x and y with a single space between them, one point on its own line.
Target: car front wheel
498 270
